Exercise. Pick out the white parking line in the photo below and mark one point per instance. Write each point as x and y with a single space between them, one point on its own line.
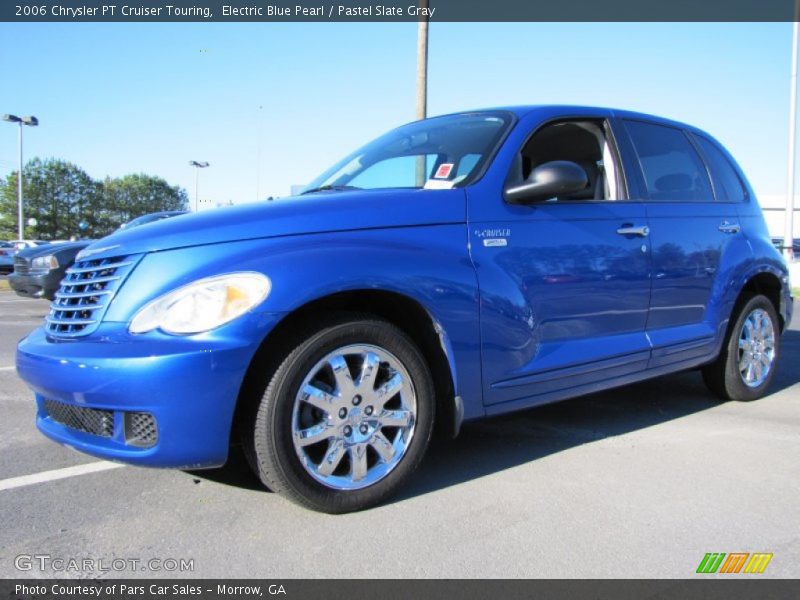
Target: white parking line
22 481
7 368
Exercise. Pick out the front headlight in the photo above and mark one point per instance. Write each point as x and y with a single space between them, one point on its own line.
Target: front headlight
203 305
45 262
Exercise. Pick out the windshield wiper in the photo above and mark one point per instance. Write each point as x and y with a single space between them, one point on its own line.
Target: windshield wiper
331 188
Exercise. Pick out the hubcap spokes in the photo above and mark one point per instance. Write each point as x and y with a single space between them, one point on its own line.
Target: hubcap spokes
756 348
353 417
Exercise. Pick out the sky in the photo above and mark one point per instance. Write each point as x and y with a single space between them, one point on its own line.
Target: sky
270 105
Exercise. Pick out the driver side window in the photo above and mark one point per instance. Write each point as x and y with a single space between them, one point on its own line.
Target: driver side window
583 142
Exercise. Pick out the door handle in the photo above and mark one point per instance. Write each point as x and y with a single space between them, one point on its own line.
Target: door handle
641 230
728 227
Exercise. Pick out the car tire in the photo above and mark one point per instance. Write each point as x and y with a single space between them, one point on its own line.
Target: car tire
345 418
746 365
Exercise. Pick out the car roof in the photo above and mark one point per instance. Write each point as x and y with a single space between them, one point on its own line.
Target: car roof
569 110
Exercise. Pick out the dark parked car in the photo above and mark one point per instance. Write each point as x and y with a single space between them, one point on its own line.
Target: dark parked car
778 243
38 271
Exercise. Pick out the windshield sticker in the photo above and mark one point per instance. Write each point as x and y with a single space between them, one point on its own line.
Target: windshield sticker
444 170
438 184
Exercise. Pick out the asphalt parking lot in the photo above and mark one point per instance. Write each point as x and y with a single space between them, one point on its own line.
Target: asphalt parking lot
636 482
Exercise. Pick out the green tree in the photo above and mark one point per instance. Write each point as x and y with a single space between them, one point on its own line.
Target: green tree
58 194
132 196
6 218
66 202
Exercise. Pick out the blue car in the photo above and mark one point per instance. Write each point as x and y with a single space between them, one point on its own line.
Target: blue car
455 268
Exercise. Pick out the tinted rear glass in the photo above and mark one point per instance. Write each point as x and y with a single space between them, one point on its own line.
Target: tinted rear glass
726 181
672 169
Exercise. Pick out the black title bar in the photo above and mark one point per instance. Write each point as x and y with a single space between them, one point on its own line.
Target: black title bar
742 588
144 11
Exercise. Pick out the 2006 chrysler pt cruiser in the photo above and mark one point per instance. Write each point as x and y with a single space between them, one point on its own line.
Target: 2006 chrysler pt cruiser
457 267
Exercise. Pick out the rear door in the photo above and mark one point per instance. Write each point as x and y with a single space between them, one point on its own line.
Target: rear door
689 231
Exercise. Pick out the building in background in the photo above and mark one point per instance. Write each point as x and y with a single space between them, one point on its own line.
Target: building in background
774 207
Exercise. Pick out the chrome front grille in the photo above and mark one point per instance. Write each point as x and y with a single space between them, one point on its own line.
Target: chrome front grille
85 294
21 266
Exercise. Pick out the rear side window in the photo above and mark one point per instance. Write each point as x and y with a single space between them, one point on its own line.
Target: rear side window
672 169
726 181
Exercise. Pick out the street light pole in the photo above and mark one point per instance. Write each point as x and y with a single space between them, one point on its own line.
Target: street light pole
31 122
201 164
788 231
422 84
20 222
422 65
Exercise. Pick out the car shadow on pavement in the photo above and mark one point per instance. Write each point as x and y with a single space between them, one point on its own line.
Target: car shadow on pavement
788 362
235 472
493 445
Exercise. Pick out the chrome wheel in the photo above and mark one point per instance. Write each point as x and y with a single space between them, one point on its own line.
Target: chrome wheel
353 417
756 348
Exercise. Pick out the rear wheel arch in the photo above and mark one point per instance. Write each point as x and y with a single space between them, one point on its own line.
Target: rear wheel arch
763 283
745 366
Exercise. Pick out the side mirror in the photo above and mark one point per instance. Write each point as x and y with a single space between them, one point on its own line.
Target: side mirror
550 179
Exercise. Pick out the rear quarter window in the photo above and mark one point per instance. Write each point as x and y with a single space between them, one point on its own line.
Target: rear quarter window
727 184
672 168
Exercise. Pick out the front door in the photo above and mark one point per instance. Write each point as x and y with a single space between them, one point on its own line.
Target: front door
565 283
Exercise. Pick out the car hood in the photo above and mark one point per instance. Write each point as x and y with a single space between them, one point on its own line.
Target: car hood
314 213
46 249
34 251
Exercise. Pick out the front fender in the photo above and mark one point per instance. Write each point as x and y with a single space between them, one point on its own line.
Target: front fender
428 264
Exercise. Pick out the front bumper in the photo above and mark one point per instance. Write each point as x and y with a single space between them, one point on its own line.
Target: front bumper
42 285
188 384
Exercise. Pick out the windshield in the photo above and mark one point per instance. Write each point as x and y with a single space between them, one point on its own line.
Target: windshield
149 219
442 152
